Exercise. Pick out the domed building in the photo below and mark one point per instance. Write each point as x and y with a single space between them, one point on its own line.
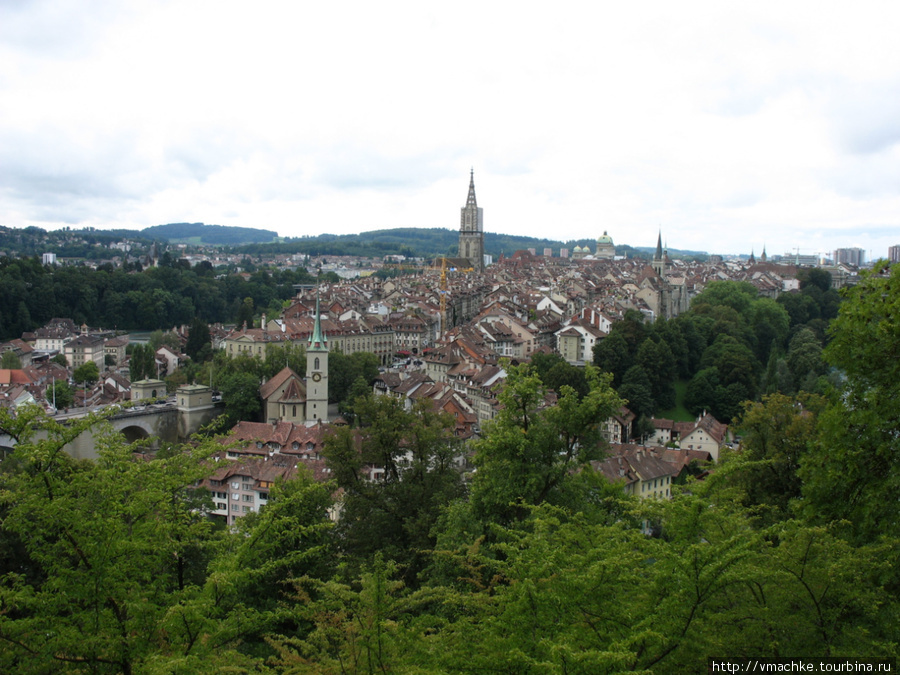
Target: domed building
578 253
606 250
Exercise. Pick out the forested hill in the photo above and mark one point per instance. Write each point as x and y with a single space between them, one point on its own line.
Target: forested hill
430 242
409 241
210 235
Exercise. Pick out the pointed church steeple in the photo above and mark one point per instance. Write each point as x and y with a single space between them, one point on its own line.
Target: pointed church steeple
659 258
470 200
318 339
317 371
752 259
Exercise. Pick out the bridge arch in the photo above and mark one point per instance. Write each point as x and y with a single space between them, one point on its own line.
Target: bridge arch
134 432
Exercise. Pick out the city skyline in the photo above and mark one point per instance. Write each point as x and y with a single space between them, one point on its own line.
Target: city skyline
728 129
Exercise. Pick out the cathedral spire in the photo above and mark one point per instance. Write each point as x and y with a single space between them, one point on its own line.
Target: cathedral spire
471 229
659 250
470 200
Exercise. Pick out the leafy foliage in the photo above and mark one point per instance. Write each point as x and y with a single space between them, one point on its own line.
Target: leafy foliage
417 456
531 449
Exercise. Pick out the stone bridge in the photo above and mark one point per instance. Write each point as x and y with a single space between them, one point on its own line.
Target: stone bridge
160 422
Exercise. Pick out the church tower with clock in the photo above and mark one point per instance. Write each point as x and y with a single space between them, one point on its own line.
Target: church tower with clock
317 372
471 229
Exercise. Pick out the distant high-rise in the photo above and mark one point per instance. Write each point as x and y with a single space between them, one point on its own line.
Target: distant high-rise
850 256
894 254
471 229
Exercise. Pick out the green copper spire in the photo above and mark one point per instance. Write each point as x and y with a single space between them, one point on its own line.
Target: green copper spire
318 340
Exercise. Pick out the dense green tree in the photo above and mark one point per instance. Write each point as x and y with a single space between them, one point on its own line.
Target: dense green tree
771 324
702 391
359 389
60 359
542 362
658 362
801 308
776 434
245 313
344 369
637 391
529 451
106 586
394 511
10 360
611 355
285 355
565 374
814 277
61 393
695 341
87 372
734 361
804 359
738 295
240 393
851 474
199 342
142 364
671 334
288 538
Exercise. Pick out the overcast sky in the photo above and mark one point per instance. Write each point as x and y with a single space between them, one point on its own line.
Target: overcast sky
726 126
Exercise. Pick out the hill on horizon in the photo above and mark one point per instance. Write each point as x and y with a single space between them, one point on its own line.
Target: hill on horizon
200 234
430 242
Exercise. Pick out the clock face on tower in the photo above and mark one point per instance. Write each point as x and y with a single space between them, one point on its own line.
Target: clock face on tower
316 377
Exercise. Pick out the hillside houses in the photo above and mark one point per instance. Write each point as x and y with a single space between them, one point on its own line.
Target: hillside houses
705 434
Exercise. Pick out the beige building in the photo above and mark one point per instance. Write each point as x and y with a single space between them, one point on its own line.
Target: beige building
85 348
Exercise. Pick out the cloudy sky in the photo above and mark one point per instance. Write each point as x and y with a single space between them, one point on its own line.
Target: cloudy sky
726 126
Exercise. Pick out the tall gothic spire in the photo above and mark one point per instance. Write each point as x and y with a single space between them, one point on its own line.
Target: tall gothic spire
470 200
659 250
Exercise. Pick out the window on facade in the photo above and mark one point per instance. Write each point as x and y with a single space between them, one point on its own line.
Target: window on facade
235 507
245 509
263 496
248 498
316 366
248 486
235 485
